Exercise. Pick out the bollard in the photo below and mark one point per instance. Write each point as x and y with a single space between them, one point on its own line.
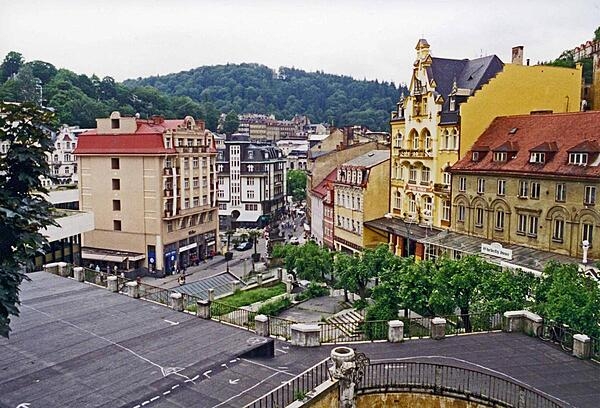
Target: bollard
582 346
211 295
235 286
177 301
133 289
62 269
395 331
261 325
259 279
78 274
112 284
438 328
279 274
203 309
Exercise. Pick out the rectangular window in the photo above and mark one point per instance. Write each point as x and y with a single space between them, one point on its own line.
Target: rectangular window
412 175
186 183
116 205
223 206
479 217
500 156
114 163
481 185
425 175
558 230
499 225
501 187
117 225
186 203
446 178
195 162
579 159
186 163
523 189
461 213
195 202
446 208
250 194
250 181
533 226
537 158
561 192
587 233
169 226
475 156
590 195
522 224
116 184
462 184
535 190
114 123
196 182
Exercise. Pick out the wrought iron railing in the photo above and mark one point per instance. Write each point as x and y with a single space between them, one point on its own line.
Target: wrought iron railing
347 332
556 333
473 323
458 382
154 293
280 327
295 389
233 315
595 348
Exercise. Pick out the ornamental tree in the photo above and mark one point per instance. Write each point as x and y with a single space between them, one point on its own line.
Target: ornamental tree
23 209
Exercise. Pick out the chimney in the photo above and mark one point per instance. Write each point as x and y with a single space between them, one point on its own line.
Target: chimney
517 55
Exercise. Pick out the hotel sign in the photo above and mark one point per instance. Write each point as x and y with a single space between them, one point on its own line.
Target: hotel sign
496 249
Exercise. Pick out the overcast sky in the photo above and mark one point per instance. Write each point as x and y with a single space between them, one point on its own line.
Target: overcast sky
363 39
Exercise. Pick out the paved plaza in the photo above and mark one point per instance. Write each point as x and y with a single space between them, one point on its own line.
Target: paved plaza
76 344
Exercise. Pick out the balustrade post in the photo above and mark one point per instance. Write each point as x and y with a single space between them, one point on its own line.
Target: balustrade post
261 325
133 289
177 301
582 346
112 284
78 274
203 309
438 328
395 331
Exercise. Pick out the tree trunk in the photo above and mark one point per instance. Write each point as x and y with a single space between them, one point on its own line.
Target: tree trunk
466 319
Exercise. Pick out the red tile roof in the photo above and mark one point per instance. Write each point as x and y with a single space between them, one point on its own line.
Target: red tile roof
148 139
564 131
324 186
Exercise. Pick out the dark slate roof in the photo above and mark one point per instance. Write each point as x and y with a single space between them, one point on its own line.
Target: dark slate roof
370 159
469 74
221 283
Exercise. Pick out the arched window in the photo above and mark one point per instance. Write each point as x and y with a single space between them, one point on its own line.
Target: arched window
428 140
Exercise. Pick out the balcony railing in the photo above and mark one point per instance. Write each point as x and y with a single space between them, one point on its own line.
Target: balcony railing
416 153
192 149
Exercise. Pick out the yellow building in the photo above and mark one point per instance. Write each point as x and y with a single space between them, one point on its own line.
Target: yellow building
450 103
361 194
526 192
151 187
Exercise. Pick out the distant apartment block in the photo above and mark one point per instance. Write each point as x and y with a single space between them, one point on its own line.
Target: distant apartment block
251 182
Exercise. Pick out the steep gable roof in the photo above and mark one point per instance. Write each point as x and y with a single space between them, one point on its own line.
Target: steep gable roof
567 132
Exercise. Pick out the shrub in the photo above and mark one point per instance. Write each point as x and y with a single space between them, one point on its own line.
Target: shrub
312 291
275 307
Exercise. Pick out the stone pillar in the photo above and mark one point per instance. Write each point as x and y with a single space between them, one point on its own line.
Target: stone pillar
62 269
211 295
513 321
261 325
112 284
203 309
177 301
78 274
395 331
438 328
235 285
343 370
133 289
288 283
259 279
51 267
279 274
306 335
582 346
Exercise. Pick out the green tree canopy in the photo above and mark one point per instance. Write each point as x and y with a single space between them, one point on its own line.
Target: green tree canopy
11 65
232 123
296 184
23 210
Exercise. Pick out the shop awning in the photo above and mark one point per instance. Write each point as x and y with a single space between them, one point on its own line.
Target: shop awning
245 217
399 227
528 259
107 255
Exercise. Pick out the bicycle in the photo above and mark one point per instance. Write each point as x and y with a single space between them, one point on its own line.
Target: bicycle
560 334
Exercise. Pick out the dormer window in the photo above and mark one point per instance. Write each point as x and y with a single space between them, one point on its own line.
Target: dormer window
500 156
578 159
475 156
537 158
452 103
250 154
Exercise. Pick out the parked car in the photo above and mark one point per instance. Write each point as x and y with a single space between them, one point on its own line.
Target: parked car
244 246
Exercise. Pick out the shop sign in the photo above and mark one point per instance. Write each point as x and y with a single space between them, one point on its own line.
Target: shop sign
496 249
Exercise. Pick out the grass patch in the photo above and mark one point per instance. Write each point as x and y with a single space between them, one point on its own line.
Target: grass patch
247 297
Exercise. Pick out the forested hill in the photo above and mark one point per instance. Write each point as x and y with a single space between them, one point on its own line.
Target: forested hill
245 88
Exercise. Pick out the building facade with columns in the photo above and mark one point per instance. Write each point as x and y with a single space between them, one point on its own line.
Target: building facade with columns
151 185
528 187
450 103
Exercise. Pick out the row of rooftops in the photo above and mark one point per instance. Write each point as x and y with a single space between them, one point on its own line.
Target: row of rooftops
563 144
